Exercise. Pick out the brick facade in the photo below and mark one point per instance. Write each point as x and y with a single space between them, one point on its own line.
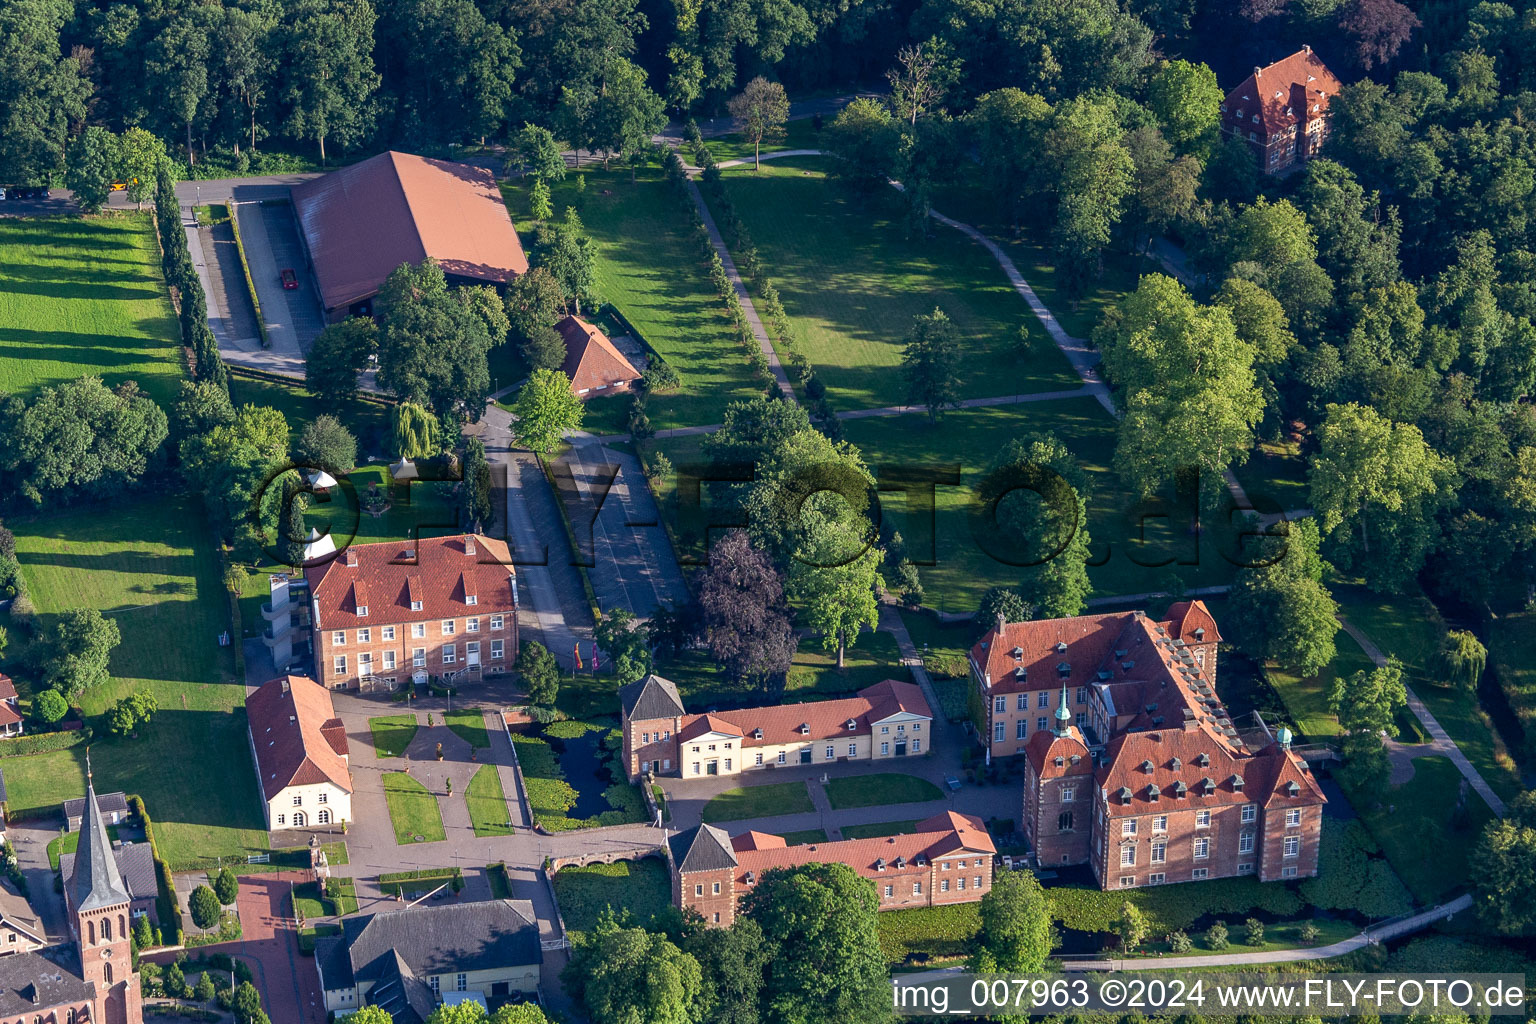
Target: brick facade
1281 111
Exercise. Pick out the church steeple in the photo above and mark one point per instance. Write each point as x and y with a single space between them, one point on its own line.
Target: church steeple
1063 716
97 882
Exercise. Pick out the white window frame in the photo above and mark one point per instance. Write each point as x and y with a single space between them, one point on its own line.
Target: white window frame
418 657
450 653
339 638
418 631
387 632
496 622
498 649
472 625
449 626
339 664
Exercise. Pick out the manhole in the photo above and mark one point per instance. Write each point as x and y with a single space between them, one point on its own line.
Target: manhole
418 839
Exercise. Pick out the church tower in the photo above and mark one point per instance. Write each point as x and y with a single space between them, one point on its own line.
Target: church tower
100 919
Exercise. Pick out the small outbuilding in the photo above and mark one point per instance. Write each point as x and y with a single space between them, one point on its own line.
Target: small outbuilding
592 361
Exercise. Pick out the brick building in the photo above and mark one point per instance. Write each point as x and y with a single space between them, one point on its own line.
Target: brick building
947 860
434 608
1140 771
887 721
1281 111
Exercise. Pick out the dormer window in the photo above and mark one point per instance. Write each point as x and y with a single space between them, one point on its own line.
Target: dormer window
1061 647
1175 764
1147 767
1152 793
852 725
1076 758
1291 789
1203 760
751 878
1125 795
1061 762
472 599
1064 670
1017 652
1180 791
805 729
1208 786
415 606
757 734
899 862
1200 633
1237 783
880 864
362 611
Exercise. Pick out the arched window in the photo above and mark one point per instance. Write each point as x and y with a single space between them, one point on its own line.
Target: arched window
106 929
122 926
1064 822
106 971
323 818
90 927
298 819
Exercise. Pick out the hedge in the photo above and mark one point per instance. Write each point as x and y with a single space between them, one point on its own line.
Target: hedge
1171 907
165 898
1353 875
395 882
550 797
43 742
929 933
250 284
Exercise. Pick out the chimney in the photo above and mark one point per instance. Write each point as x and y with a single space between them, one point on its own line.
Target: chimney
1190 722
1306 48
469 544
284 682
1000 625
351 559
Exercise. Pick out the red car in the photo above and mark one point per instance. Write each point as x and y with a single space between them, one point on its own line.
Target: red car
290 282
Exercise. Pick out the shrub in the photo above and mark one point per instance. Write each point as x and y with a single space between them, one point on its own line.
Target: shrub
1216 936
1179 942
929 932
1352 874
49 706
226 887
660 376
204 906
1253 930
1308 933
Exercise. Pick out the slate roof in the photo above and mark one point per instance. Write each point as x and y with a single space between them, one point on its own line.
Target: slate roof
109 803
96 882
32 983
591 360
17 912
478 936
136 865
363 221
701 848
651 698
439 572
293 731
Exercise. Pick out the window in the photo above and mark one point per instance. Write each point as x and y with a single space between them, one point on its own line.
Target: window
1157 878
339 638
1199 873
1040 724
645 737
1082 695
1023 702
885 748
463 982
282 819
450 654
917 888
389 660
976 879
448 627
1250 812
696 771
698 890
419 657
889 891
1202 819
471 625
1068 794
1044 701
783 756
1127 881
998 731
341 664
1292 846
758 758
1022 729
323 798
298 800
1160 852
830 754
1160 823
885 730
496 622
472 651
472 599
715 889
853 750
1245 843
1000 704
960 884
415 606
1128 827
1293 817
1064 821
1202 848
365 636
418 630
1245 868
917 746
365 663
324 817
727 764
388 632
498 648
1288 872
1127 856
436 984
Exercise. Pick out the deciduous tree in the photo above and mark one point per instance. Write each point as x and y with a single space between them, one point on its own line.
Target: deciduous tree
75 652
132 711
540 672
761 109
630 974
1281 607
1015 926
477 511
930 362
745 616
204 907
626 642
545 410
433 342
329 76
328 444
90 167
337 357
1038 498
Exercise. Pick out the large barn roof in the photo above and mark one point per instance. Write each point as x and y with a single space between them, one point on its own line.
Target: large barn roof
363 221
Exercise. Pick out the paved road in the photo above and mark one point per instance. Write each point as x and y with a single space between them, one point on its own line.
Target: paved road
1440 739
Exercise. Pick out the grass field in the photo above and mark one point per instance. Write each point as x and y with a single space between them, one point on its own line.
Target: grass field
412 810
1512 653
68 843
767 801
487 803
368 421
1417 828
882 788
805 837
648 267
798 134
852 281
880 829
1306 697
392 734
1276 472
417 509
147 564
1409 627
639 888
469 726
85 296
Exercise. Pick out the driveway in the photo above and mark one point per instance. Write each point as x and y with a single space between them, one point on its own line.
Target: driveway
293 318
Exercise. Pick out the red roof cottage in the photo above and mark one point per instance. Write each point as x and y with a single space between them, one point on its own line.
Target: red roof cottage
1281 111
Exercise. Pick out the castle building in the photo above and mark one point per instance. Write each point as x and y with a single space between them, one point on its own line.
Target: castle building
1140 772
90 980
1281 111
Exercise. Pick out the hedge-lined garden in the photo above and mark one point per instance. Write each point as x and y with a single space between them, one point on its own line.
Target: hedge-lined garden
552 798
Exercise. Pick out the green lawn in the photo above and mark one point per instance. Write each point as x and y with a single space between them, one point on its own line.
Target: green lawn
368 421
392 734
412 810
649 268
1417 828
1276 472
640 888
852 281
469 726
501 884
880 829
882 788
1409 627
1306 697
798 134
1512 653
805 837
85 296
767 801
487 803
68 843
148 564
417 509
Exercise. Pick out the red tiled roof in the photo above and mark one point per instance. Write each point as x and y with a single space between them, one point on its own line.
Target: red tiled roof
7 687
8 715
289 717
1044 747
1284 93
1089 639
825 719
755 840
1174 756
363 221
1184 617
591 360
939 836
392 578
